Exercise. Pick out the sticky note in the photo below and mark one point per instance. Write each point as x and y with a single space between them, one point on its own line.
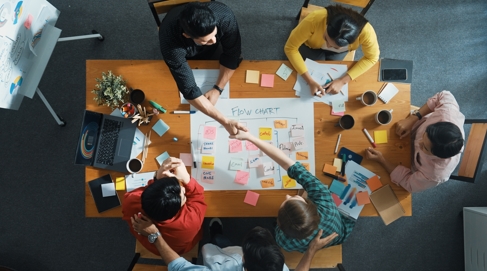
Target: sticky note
28 21
187 158
362 197
337 187
284 71
380 136
267 168
254 161
251 198
266 183
160 127
297 130
120 183
208 147
160 159
265 133
287 182
209 132
108 189
236 164
280 124
252 77
333 113
330 169
250 146
208 176
208 162
374 183
302 155
267 80
337 162
286 147
299 142
336 199
234 145
306 166
242 177
338 106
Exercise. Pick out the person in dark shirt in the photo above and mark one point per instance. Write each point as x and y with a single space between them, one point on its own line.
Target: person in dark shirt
202 31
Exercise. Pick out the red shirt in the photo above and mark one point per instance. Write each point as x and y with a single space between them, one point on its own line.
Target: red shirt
182 232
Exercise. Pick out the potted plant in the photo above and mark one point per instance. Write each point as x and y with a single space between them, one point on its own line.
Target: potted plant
111 90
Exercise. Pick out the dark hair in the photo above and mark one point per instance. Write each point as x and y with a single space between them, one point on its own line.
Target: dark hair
298 219
344 25
197 20
260 251
446 139
162 199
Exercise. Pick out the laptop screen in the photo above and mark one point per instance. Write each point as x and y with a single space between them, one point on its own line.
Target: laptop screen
85 150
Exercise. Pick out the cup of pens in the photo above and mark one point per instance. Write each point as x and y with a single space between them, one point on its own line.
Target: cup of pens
128 110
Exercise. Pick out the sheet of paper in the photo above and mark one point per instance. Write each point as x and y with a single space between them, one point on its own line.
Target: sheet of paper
234 145
250 146
120 183
287 182
302 155
265 133
187 158
208 162
267 168
363 198
297 130
208 176
280 124
254 161
208 147
267 183
163 156
337 162
108 189
160 127
236 164
284 71
338 106
209 132
251 198
380 136
242 177
299 142
252 77
137 180
286 147
267 80
205 79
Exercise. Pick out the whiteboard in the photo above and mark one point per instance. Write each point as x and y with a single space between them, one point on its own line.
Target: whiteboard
257 115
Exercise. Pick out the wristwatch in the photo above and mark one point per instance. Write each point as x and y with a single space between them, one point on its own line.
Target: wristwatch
153 237
416 112
218 88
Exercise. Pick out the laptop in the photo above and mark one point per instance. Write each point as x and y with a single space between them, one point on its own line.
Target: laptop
105 141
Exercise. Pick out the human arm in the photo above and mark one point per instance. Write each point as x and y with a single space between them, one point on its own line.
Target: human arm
376 156
173 167
223 77
316 244
370 48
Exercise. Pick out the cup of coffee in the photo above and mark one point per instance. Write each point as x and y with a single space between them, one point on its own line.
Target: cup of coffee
368 98
346 122
383 117
134 165
137 96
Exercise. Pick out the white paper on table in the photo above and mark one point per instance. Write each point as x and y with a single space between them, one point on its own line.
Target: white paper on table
108 190
205 79
133 181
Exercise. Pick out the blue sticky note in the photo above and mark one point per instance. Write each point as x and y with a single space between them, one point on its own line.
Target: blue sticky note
337 187
162 157
160 127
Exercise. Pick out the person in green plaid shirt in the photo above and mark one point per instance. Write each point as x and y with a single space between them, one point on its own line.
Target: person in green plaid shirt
300 219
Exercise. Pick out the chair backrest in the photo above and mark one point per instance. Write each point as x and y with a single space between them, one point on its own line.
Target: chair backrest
364 4
164 6
472 158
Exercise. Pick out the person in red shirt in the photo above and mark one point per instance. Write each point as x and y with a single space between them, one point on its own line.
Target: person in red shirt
174 201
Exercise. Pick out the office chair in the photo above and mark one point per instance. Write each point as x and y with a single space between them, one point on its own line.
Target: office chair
364 4
164 6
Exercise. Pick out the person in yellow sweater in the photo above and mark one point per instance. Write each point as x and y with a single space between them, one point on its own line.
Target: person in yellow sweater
328 34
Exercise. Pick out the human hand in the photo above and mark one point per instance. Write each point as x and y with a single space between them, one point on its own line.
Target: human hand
315 88
334 86
318 243
242 135
174 167
233 127
404 127
143 225
212 95
373 154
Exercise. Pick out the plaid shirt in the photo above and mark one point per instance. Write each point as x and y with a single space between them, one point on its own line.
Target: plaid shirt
331 220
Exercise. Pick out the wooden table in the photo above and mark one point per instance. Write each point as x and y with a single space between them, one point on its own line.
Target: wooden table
154 78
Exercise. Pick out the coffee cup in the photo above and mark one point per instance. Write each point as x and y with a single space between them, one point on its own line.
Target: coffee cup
346 122
137 96
368 98
383 117
134 165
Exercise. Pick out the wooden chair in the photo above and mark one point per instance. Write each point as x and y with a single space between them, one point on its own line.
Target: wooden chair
364 4
472 160
164 6
329 257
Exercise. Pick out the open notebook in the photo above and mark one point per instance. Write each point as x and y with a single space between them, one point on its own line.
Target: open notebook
388 92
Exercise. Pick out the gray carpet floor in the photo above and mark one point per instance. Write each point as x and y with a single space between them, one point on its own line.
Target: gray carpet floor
42 221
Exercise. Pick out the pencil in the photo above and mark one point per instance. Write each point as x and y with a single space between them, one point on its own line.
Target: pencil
381 88
331 78
338 142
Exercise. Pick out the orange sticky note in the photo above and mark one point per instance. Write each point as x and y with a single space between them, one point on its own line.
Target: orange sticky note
208 162
267 80
362 197
280 124
374 183
252 77
302 155
265 133
287 182
306 166
330 169
266 183
251 198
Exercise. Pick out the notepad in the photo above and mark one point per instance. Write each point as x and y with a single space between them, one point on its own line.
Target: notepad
103 203
387 205
388 92
160 127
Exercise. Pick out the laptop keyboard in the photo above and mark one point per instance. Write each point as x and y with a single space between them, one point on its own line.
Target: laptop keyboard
108 142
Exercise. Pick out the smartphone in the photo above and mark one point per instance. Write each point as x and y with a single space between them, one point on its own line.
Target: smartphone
394 74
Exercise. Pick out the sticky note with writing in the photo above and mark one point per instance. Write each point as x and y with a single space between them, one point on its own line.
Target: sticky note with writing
302 155
286 147
208 162
209 132
236 164
254 161
284 71
250 146
287 182
234 145
338 106
306 166
242 177
297 130
208 147
208 176
280 124
251 198
267 168
265 133
266 183
299 142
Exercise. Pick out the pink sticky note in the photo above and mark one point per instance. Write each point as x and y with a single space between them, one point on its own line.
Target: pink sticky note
251 198
267 80
336 199
187 158
28 21
209 132
242 177
250 146
235 145
208 176
333 113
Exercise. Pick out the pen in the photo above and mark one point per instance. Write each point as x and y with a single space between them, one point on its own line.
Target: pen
335 177
184 112
369 137
331 78
344 161
338 142
194 154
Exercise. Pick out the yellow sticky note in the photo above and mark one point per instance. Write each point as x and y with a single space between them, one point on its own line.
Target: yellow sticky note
338 164
208 162
120 183
306 166
252 77
265 133
280 124
266 183
302 155
287 182
380 136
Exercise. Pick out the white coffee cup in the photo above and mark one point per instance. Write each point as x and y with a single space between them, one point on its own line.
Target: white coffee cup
134 165
368 98
383 117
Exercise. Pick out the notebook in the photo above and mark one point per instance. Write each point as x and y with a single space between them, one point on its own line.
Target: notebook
105 141
388 92
103 203
387 204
